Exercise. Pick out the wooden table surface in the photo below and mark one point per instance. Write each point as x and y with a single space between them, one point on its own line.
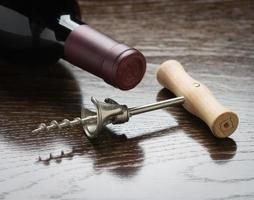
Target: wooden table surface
166 154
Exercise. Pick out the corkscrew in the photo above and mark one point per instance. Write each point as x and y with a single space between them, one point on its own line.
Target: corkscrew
195 97
108 112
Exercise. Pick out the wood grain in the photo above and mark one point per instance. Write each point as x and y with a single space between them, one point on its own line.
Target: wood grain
166 154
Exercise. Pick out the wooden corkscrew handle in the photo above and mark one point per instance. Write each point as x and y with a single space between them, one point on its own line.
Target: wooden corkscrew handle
198 99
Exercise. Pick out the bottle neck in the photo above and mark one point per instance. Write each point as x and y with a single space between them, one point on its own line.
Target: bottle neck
64 25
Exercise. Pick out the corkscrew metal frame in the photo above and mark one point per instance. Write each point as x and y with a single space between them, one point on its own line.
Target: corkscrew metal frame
108 112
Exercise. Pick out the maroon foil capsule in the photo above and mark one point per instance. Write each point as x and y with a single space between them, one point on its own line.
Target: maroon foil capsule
118 64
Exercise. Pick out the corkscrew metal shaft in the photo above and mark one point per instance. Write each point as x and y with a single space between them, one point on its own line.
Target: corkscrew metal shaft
108 112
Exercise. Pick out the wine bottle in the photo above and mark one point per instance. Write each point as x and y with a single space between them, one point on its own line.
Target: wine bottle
49 21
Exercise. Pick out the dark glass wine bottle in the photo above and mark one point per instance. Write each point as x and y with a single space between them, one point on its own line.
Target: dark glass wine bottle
53 28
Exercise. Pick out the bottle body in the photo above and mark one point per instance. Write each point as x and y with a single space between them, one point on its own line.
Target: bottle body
20 45
78 43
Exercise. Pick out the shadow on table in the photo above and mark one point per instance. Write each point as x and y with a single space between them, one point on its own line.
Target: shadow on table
122 156
219 149
116 153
